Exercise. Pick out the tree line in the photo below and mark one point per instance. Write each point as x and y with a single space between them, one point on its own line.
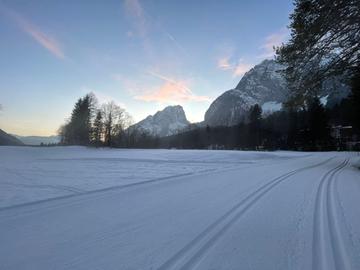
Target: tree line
308 129
94 124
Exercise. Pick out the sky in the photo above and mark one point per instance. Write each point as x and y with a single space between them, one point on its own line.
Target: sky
143 54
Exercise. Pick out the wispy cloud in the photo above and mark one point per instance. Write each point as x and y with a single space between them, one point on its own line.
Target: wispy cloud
174 93
102 97
273 40
175 42
237 68
224 63
144 23
135 11
171 91
133 87
241 69
160 76
46 41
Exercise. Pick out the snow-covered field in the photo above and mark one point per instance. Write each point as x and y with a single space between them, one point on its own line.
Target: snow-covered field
81 208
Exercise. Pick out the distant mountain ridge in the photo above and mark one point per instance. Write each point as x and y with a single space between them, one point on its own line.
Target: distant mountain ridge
7 139
167 122
37 140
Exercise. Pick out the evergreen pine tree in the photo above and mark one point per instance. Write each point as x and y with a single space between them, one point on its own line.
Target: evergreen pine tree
317 124
355 98
324 42
98 129
255 125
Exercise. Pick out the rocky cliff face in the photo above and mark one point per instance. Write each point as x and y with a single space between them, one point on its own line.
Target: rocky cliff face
262 84
164 123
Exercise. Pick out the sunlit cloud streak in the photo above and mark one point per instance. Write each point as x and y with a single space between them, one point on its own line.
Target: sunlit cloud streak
237 69
175 42
33 31
241 69
273 40
174 93
143 22
224 63
171 91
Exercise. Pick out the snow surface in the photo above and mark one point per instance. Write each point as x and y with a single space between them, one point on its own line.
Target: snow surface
271 106
324 100
83 208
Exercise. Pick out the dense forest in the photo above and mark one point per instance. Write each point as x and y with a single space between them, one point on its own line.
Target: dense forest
318 51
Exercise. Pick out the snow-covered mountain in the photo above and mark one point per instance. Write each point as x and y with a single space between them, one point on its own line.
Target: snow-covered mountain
263 85
164 123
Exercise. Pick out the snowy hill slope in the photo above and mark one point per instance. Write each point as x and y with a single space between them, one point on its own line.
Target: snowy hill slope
7 139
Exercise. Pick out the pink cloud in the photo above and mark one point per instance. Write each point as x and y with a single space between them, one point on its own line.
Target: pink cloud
273 40
43 39
224 64
241 69
46 41
237 68
170 91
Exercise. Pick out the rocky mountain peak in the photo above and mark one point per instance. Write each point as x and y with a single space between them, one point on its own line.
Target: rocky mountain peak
261 84
166 122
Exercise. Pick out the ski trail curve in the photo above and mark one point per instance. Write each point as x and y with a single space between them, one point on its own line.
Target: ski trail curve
334 219
328 250
191 254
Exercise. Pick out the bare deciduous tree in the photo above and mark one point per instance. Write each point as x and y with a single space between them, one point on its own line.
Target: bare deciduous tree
116 120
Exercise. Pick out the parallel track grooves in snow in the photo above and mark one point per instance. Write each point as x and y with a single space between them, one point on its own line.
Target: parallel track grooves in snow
191 254
121 187
326 233
334 219
83 194
111 188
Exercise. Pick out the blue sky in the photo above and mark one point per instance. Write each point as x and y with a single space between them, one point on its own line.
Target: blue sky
143 54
